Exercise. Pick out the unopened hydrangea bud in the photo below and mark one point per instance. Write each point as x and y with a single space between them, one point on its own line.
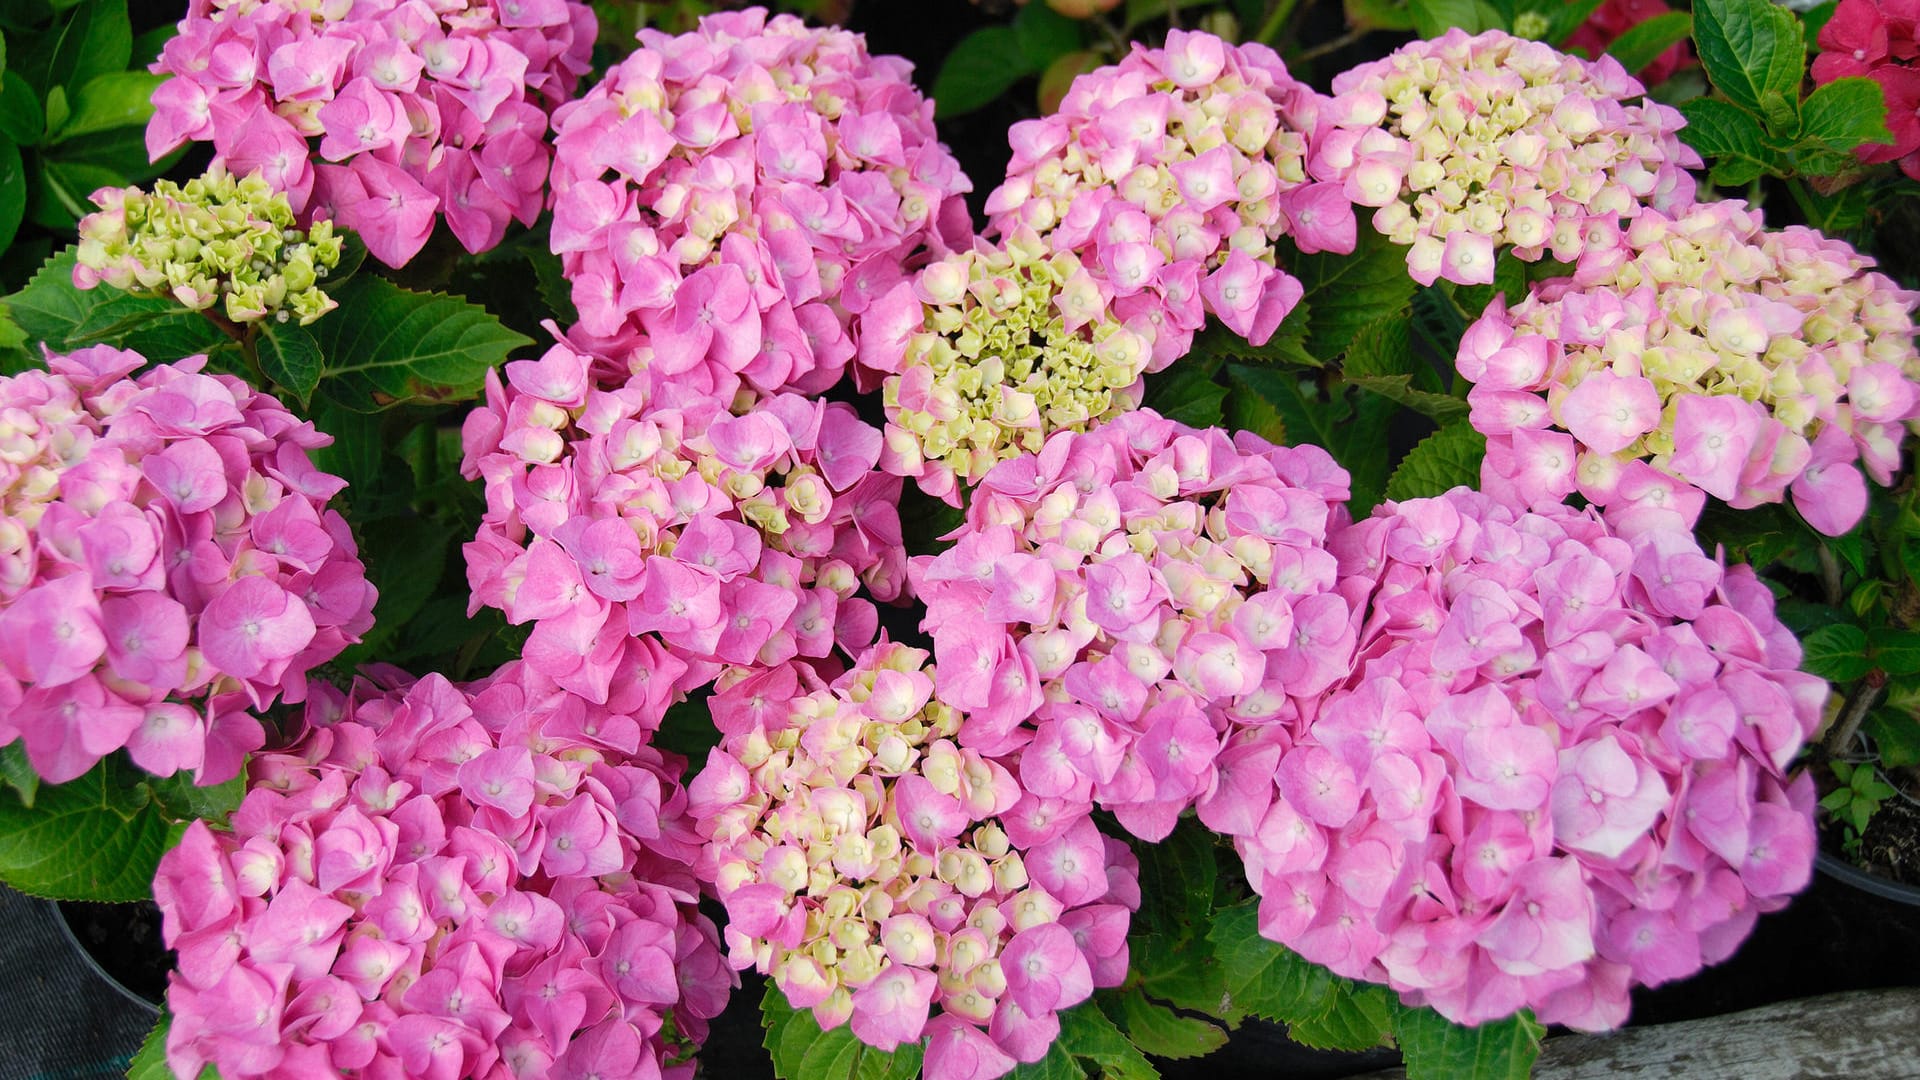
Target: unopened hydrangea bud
214 240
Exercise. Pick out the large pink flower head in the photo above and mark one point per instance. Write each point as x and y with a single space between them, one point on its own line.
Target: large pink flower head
653 537
1554 767
1468 144
168 564
729 202
1132 617
1706 356
449 882
865 864
420 109
1151 200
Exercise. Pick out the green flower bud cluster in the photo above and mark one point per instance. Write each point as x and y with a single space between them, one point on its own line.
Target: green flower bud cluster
214 240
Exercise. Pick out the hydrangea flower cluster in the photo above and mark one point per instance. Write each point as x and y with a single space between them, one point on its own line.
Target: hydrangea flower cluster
1613 19
652 537
163 540
421 108
1706 355
214 240
444 882
1554 768
1879 41
728 202
1129 617
879 871
1468 143
1151 199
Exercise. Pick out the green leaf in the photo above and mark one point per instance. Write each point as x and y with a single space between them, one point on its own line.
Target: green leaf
1086 1032
1440 462
1896 735
1431 18
49 308
405 566
1361 1018
1187 393
20 117
1264 978
290 358
1158 1030
1245 410
1057 1065
1845 113
1837 653
95 38
1344 293
1782 113
64 187
1435 1048
1750 47
386 346
1643 43
1381 360
801 1051
1044 35
151 1062
1349 424
1379 15
98 837
13 191
1897 652
115 100
1287 345
17 774
1731 140
980 68
184 800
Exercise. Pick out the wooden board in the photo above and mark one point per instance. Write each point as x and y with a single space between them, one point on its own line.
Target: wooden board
1859 1035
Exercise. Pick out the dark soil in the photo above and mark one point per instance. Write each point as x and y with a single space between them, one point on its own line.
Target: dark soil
1891 844
124 939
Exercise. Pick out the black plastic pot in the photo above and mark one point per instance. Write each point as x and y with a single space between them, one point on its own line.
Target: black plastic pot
121 944
1873 884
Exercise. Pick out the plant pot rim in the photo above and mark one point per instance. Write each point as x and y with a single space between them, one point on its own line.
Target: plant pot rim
80 948
1841 870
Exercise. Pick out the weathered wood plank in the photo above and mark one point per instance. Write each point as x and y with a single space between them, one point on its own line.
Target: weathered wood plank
1859 1035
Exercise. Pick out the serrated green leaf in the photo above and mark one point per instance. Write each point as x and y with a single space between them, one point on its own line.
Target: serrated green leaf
1896 652
1435 1048
1381 361
1361 1017
1264 978
1344 293
1731 140
17 774
290 358
1837 653
1350 425
1187 393
1160 1031
1089 1034
1896 737
116 99
1845 113
49 308
801 1051
1440 462
1247 411
183 800
1044 35
980 68
21 118
387 346
1750 47
98 837
1057 1065
1287 346
1643 42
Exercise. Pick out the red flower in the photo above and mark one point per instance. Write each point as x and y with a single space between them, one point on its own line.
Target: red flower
1616 17
1853 42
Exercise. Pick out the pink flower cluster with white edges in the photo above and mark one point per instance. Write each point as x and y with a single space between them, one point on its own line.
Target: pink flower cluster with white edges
882 875
1556 765
163 540
1705 356
1468 143
1131 617
654 538
444 882
728 202
1170 175
421 109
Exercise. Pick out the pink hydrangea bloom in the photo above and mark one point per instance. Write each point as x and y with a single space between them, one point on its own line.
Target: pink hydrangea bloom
867 866
1129 617
1878 40
1704 356
1467 144
1150 201
445 881
420 110
729 202
168 564
653 538
1553 765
